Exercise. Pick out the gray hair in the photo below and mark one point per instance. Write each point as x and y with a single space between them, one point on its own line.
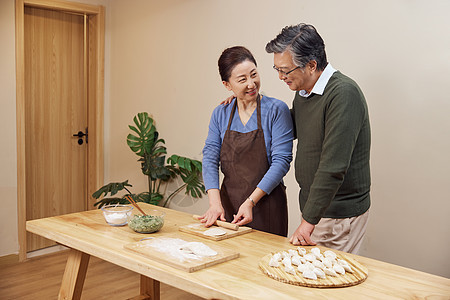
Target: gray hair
303 42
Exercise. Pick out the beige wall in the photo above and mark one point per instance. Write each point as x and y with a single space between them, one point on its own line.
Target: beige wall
162 58
8 149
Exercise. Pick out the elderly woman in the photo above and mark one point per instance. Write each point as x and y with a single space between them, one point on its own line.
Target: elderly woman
251 139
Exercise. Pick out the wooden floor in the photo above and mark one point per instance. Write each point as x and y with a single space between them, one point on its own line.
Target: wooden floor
40 278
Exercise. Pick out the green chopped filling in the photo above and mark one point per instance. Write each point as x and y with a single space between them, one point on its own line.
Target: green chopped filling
146 224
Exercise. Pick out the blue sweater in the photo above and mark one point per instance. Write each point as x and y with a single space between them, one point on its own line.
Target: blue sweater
277 125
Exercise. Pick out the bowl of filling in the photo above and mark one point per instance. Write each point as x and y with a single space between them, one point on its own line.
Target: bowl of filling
117 214
152 222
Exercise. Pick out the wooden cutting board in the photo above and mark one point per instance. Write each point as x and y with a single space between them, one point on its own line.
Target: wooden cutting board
144 248
198 229
359 274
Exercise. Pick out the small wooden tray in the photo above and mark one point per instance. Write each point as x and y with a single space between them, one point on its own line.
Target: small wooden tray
359 274
198 229
223 254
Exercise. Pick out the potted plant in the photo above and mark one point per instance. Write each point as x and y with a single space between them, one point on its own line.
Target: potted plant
144 141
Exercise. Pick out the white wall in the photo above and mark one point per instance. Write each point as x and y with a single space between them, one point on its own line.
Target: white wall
163 59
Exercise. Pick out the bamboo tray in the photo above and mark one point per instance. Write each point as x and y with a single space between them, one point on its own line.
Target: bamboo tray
359 274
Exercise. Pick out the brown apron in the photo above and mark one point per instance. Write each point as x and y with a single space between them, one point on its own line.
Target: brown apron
243 160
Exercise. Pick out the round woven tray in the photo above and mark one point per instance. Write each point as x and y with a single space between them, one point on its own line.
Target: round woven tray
359 274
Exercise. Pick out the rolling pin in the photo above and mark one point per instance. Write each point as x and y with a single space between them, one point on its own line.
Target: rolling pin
221 223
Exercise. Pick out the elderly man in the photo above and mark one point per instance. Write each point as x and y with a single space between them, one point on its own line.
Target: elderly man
333 131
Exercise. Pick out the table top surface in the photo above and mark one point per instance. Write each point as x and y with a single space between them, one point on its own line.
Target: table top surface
239 278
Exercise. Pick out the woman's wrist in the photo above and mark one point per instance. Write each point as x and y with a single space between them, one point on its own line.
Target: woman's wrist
251 201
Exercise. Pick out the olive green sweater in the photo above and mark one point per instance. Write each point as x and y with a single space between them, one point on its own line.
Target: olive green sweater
333 151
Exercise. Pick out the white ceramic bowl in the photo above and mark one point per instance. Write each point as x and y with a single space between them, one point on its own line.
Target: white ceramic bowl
117 215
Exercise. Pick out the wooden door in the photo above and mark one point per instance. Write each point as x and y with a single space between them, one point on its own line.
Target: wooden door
55 109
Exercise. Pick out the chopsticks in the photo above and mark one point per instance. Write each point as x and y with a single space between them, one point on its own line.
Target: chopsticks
134 203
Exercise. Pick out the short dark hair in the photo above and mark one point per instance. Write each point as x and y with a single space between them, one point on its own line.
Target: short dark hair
232 56
303 42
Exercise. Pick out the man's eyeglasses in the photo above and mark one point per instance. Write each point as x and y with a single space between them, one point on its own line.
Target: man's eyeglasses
283 72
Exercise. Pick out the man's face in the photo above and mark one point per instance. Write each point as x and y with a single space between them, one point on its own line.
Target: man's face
298 79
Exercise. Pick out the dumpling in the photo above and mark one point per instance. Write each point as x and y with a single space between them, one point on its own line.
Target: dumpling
301 251
315 251
292 252
345 265
289 269
274 262
309 274
319 273
287 261
276 256
330 271
330 254
302 268
339 269
296 260
327 262
310 257
318 264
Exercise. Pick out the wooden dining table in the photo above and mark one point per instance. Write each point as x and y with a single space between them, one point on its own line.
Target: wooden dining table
86 233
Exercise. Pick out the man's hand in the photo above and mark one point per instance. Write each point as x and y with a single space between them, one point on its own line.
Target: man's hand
302 236
228 100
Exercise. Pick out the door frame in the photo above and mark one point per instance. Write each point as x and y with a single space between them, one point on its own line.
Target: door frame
95 93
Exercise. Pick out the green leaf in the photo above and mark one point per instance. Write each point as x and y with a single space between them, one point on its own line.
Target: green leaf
111 188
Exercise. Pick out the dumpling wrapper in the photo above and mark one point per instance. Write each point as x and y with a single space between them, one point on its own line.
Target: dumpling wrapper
198 248
215 232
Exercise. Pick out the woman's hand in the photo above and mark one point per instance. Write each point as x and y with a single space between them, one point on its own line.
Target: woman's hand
215 210
245 213
212 214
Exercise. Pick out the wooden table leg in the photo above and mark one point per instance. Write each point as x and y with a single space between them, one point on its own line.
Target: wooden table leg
150 287
74 275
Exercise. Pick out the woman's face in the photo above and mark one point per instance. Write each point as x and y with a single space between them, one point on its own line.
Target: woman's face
244 81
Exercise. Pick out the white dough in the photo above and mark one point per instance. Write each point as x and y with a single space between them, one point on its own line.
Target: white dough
198 248
215 232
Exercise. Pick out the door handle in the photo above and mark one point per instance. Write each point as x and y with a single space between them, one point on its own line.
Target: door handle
80 135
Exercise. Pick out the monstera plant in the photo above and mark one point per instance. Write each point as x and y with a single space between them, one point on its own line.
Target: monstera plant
144 141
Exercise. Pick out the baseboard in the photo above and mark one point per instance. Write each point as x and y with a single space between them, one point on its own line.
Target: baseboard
44 251
9 259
